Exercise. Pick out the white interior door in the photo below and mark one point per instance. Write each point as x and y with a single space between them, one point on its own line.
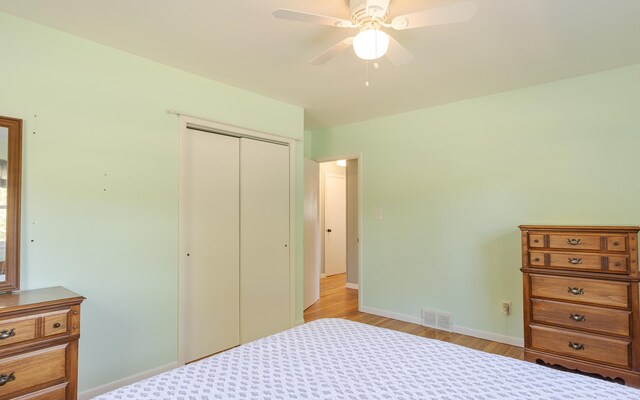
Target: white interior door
335 224
210 214
311 233
264 238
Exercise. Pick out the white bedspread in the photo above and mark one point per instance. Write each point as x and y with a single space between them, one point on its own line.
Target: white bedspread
340 359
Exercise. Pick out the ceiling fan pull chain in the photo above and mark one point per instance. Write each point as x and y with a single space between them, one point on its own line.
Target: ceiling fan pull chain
366 82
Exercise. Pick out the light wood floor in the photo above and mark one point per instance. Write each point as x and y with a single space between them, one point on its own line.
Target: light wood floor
336 301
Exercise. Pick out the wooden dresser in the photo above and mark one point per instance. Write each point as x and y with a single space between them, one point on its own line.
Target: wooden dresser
581 299
39 332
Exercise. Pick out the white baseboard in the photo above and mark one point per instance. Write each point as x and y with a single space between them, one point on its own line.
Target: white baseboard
97 391
352 286
496 337
323 276
390 314
514 341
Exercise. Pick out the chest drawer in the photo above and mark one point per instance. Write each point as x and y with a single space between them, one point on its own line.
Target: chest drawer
576 316
616 243
17 330
581 345
28 370
616 263
578 241
575 241
589 291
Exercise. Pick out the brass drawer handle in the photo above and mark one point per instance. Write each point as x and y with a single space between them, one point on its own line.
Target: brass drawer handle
5 334
57 325
536 241
536 259
574 242
618 263
576 345
4 379
578 317
576 291
616 243
575 260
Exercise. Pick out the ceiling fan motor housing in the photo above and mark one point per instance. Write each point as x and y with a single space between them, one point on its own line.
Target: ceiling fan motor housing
364 11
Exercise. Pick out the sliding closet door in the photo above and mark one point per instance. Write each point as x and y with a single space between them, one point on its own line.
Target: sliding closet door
264 233
210 288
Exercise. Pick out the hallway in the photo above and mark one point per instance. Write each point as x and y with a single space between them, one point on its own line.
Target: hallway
336 301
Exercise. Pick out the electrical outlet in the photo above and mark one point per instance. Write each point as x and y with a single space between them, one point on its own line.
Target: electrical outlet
506 307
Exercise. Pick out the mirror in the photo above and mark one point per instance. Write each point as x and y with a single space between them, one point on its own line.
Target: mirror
10 188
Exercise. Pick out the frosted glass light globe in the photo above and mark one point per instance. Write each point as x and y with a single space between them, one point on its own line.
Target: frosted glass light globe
371 44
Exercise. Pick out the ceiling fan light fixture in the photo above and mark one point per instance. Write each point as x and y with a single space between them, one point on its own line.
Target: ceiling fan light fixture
371 44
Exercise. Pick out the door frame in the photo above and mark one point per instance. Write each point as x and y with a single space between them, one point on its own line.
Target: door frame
359 157
218 128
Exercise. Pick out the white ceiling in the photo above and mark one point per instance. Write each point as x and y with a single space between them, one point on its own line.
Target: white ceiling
508 45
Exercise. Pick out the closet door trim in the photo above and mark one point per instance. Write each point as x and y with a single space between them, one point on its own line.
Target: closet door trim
188 122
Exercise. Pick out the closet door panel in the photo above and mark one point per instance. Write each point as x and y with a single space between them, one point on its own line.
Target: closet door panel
264 238
211 287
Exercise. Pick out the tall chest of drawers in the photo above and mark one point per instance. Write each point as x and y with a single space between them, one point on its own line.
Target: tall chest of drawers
39 332
580 286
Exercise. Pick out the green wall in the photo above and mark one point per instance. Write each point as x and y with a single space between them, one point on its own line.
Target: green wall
455 181
100 197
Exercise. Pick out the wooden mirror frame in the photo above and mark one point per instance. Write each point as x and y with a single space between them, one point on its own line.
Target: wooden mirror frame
14 189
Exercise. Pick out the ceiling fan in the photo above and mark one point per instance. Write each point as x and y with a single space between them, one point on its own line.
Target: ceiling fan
369 17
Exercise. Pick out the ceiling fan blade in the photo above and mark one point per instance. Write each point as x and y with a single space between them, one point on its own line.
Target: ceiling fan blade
459 12
312 18
397 53
327 55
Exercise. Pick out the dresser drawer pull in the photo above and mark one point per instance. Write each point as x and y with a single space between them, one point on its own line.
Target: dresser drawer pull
576 291
618 263
575 260
578 317
616 243
57 325
574 242
576 345
536 259
5 334
4 379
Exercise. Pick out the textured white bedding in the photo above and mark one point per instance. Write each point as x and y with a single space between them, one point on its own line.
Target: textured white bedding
340 359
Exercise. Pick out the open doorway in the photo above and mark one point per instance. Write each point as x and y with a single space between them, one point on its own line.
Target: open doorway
332 245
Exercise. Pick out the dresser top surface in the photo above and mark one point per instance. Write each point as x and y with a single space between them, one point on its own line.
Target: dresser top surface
30 298
582 228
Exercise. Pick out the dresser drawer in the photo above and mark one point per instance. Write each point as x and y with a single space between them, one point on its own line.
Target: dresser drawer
576 316
578 241
17 330
590 291
55 324
580 261
33 369
581 345
58 392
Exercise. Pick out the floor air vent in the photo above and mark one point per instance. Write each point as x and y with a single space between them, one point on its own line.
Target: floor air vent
437 320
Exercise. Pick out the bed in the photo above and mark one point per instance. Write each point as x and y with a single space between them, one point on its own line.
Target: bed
341 359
